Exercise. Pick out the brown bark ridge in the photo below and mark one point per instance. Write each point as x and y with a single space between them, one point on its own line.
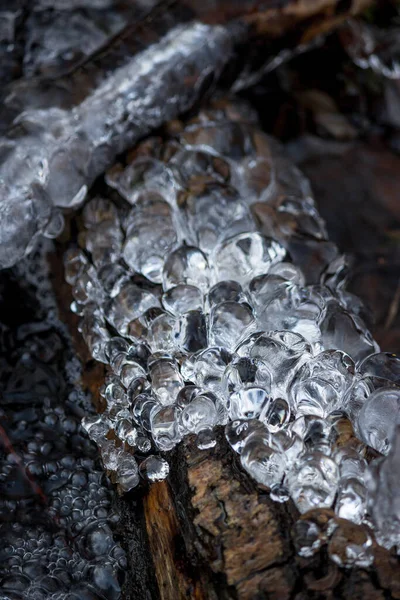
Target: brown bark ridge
209 532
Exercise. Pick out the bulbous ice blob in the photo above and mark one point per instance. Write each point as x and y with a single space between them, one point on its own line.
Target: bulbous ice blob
382 365
209 367
244 372
288 271
150 236
266 464
160 334
230 322
129 304
351 501
376 371
283 305
166 379
199 415
313 481
127 472
190 331
247 403
379 417
245 256
237 432
384 494
186 265
343 331
275 414
154 468
225 291
284 352
165 426
320 385
182 298
215 213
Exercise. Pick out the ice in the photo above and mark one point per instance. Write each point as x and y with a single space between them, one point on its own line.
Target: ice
280 304
244 372
215 214
165 377
275 414
209 367
160 334
190 331
384 496
262 461
343 331
142 407
320 385
237 431
127 472
131 303
288 271
182 298
230 323
313 481
246 256
150 235
72 147
225 291
284 352
229 333
351 501
247 403
379 417
154 468
164 427
186 265
376 371
200 414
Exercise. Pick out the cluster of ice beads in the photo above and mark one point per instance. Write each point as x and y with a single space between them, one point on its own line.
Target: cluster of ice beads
210 289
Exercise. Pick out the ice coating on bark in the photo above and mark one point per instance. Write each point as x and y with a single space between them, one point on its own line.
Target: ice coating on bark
60 153
223 329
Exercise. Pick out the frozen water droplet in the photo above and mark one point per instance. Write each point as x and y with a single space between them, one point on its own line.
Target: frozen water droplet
209 367
247 403
127 472
190 331
186 265
164 426
237 431
313 481
166 379
262 461
379 417
320 385
283 352
182 298
201 414
230 322
226 291
245 256
154 468
279 493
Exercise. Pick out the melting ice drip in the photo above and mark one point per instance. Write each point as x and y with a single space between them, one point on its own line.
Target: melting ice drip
187 291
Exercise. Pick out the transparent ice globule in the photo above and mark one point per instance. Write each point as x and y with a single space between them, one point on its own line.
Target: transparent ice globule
215 299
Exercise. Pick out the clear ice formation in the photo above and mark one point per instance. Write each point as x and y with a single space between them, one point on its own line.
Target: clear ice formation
51 156
191 289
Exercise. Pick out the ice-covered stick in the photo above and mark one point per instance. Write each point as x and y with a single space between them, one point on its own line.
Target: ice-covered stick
51 156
